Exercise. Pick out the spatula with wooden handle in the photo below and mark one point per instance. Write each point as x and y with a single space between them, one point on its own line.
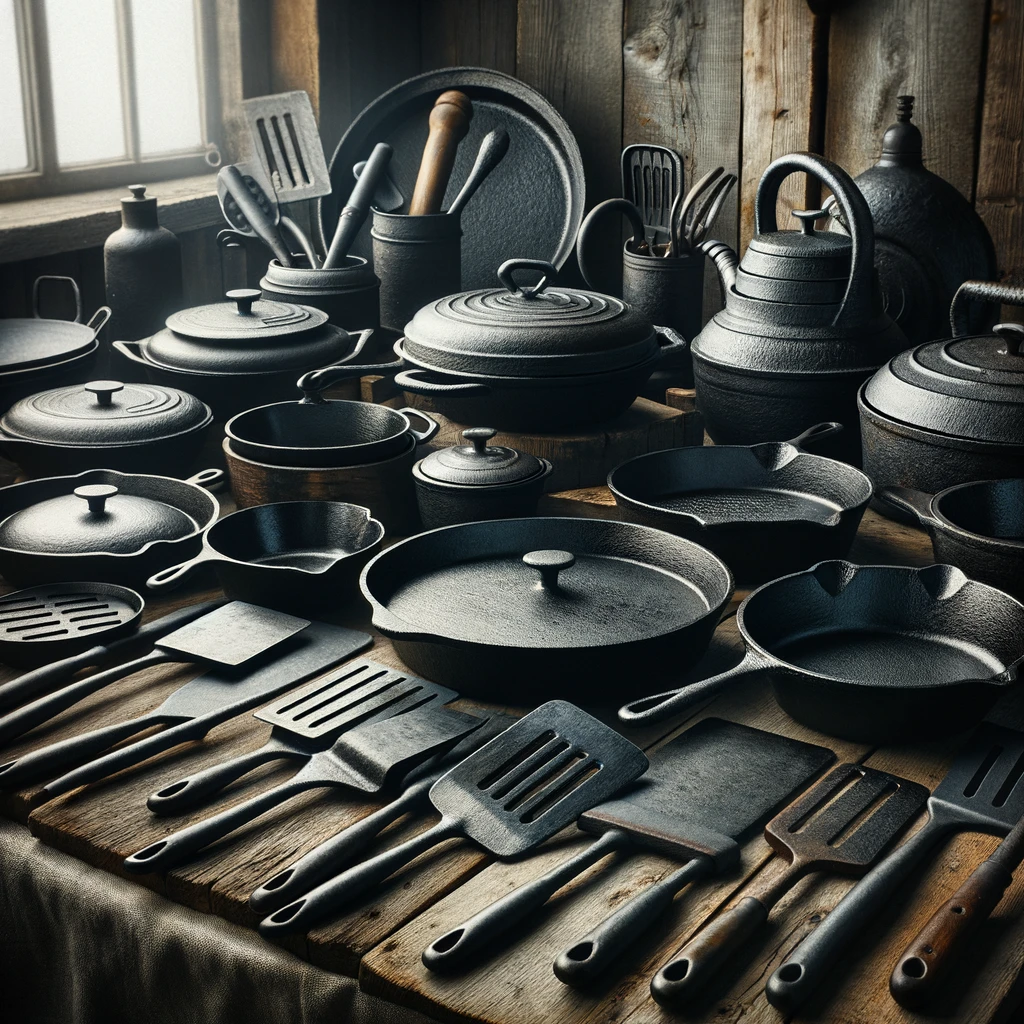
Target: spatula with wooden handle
449 123
932 957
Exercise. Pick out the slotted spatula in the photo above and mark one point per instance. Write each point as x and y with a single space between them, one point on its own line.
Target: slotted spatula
365 758
982 792
230 635
652 176
306 721
842 825
513 793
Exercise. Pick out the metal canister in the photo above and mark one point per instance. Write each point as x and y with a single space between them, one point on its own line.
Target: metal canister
418 259
349 294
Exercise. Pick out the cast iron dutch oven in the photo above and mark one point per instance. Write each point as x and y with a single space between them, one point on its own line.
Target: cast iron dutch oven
102 525
241 353
523 610
531 357
873 653
952 411
105 424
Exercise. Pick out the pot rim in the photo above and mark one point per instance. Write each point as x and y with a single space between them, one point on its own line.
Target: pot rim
230 453
14 376
1008 545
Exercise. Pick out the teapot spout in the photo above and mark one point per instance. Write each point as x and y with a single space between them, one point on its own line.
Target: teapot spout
725 259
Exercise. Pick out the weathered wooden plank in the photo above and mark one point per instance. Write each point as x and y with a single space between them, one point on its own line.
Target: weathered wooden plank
932 49
475 33
295 49
681 67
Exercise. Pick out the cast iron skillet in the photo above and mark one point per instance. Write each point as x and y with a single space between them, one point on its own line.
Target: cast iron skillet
871 653
766 510
977 526
523 610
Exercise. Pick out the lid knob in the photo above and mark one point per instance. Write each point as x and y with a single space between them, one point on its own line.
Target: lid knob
807 219
137 191
243 299
96 495
479 436
549 564
509 267
104 390
1013 335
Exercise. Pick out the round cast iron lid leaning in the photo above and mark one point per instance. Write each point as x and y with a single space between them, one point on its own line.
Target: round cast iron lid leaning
479 464
245 316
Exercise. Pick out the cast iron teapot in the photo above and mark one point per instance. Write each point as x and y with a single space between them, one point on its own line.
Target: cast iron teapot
804 323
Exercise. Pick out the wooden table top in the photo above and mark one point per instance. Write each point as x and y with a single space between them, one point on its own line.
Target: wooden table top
380 942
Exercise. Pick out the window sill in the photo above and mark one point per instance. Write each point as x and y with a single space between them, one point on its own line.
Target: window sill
43 227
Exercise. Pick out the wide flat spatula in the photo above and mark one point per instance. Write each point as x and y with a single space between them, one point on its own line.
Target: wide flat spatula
512 794
841 825
982 792
231 635
307 721
191 711
365 759
707 786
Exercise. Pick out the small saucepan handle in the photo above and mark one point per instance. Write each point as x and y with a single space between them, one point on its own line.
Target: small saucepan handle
422 436
315 381
173 575
414 382
812 435
211 478
911 502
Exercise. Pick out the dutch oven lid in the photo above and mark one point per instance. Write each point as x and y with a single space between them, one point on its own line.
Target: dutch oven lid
969 387
245 317
94 518
804 255
104 412
479 464
529 330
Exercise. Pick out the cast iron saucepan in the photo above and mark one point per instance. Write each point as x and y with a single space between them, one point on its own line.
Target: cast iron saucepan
872 653
291 555
315 432
766 510
977 526
522 610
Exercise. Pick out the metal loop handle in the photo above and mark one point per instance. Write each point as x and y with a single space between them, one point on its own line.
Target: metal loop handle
983 291
509 267
621 206
57 277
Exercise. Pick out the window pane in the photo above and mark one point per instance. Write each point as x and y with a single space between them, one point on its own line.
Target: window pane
166 76
88 115
13 142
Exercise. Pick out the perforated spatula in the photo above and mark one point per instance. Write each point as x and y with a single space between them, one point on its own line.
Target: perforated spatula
841 825
512 794
309 720
982 792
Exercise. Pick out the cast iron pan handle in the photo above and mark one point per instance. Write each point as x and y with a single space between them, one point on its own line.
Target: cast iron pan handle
313 383
983 291
422 436
816 433
211 479
509 267
916 504
669 342
99 319
415 383
74 289
857 300
173 575
622 206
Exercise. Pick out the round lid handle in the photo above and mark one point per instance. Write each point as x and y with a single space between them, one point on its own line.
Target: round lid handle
1013 335
982 291
549 564
104 390
479 436
97 496
509 267
807 219
243 299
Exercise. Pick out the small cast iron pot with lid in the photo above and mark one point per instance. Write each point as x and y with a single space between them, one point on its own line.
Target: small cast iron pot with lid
241 353
948 412
105 424
533 357
317 433
468 483
102 525
349 294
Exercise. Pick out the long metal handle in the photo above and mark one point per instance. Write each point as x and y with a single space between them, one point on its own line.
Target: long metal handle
354 212
258 219
456 947
492 150
589 959
327 859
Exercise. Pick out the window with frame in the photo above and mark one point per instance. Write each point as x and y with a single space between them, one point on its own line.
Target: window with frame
97 93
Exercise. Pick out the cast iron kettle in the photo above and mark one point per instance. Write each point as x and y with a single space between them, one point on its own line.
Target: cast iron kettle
804 323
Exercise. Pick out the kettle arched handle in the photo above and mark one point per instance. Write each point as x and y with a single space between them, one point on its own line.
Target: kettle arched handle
622 206
983 291
856 214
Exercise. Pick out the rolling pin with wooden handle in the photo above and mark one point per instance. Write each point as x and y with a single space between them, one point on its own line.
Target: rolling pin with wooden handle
449 122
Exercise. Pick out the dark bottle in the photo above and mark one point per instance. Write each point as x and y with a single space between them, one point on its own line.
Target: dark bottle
142 270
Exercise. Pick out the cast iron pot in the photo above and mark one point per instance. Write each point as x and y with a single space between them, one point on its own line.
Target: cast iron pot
108 527
314 432
948 412
292 555
766 510
349 294
977 526
533 357
873 654
105 424
523 610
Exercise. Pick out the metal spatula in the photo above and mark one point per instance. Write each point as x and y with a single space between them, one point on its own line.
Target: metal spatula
307 721
842 825
512 794
652 176
230 635
982 792
365 759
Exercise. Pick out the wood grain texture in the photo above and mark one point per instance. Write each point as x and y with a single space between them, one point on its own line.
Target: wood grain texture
681 77
931 49
295 54
475 33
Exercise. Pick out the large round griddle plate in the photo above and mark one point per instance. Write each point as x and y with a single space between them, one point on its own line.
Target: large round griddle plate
530 206
30 343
